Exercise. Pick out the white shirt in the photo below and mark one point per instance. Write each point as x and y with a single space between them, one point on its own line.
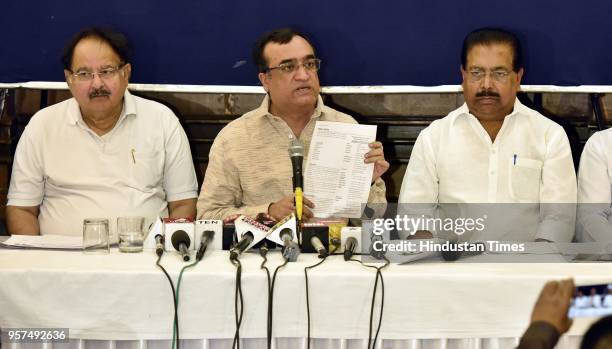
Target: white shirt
607 302
594 189
596 301
71 173
530 161
583 302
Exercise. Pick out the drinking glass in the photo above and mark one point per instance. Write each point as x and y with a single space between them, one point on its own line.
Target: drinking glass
131 234
95 235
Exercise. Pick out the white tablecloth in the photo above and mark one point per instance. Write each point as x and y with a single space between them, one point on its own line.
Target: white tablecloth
127 299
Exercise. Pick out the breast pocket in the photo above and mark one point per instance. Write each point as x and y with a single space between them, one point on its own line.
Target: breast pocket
525 178
147 169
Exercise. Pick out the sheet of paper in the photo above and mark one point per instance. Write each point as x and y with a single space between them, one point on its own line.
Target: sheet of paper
336 178
45 241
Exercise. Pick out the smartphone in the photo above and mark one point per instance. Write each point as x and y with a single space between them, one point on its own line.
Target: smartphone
591 301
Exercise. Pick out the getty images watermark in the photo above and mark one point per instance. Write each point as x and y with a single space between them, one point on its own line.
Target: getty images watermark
489 232
409 225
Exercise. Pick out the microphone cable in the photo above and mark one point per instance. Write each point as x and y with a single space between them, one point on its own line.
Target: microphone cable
382 299
271 298
307 296
263 252
178 287
238 301
175 322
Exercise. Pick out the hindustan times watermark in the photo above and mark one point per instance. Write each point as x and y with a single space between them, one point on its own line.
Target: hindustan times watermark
424 246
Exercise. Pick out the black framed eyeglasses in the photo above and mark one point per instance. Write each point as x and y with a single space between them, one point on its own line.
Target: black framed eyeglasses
310 64
104 74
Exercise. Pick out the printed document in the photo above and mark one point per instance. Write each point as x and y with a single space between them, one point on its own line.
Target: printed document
337 180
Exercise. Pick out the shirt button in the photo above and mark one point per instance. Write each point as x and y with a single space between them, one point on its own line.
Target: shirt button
492 173
493 151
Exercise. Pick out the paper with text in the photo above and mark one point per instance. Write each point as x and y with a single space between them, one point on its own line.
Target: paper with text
336 179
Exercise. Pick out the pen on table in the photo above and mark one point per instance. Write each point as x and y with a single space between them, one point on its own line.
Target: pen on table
133 157
515 158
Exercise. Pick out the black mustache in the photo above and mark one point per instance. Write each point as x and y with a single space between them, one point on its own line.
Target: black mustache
487 93
101 92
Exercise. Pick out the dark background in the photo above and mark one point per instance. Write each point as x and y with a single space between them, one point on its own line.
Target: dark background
406 42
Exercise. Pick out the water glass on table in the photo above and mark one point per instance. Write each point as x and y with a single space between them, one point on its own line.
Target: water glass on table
95 235
131 234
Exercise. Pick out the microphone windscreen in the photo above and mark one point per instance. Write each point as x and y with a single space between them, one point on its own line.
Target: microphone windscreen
178 237
286 233
451 255
208 234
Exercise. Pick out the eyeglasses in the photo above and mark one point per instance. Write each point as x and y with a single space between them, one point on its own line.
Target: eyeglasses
311 64
499 75
104 74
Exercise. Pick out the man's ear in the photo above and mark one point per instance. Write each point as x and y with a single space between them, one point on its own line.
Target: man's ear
67 74
464 76
128 71
519 76
264 80
463 72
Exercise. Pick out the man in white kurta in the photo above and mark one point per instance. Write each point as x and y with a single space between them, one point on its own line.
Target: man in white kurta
595 189
103 153
493 150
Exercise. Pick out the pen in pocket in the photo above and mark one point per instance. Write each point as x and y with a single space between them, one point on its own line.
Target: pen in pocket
133 157
514 159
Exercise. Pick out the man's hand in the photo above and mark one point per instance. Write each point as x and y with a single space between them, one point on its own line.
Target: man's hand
420 234
182 208
553 304
377 156
285 206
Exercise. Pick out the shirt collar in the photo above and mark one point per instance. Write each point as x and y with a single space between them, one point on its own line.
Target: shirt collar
75 116
464 111
264 108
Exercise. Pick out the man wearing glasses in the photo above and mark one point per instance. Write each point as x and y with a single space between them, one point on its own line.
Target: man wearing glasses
493 149
102 153
249 170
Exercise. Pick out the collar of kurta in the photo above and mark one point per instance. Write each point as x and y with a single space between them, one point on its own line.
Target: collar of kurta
264 108
74 112
464 111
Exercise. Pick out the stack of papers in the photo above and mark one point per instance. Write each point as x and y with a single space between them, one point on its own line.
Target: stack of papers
44 242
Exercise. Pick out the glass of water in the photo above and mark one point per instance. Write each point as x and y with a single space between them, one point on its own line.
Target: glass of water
131 234
95 235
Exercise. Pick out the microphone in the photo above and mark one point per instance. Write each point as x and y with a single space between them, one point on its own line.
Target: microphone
349 247
291 249
296 153
318 246
241 246
207 236
181 242
378 254
159 245
454 254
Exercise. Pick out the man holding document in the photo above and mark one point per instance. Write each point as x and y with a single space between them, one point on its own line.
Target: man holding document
249 169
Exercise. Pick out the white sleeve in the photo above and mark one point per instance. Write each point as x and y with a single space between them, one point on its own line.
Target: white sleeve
419 193
180 180
27 180
420 183
594 198
557 191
